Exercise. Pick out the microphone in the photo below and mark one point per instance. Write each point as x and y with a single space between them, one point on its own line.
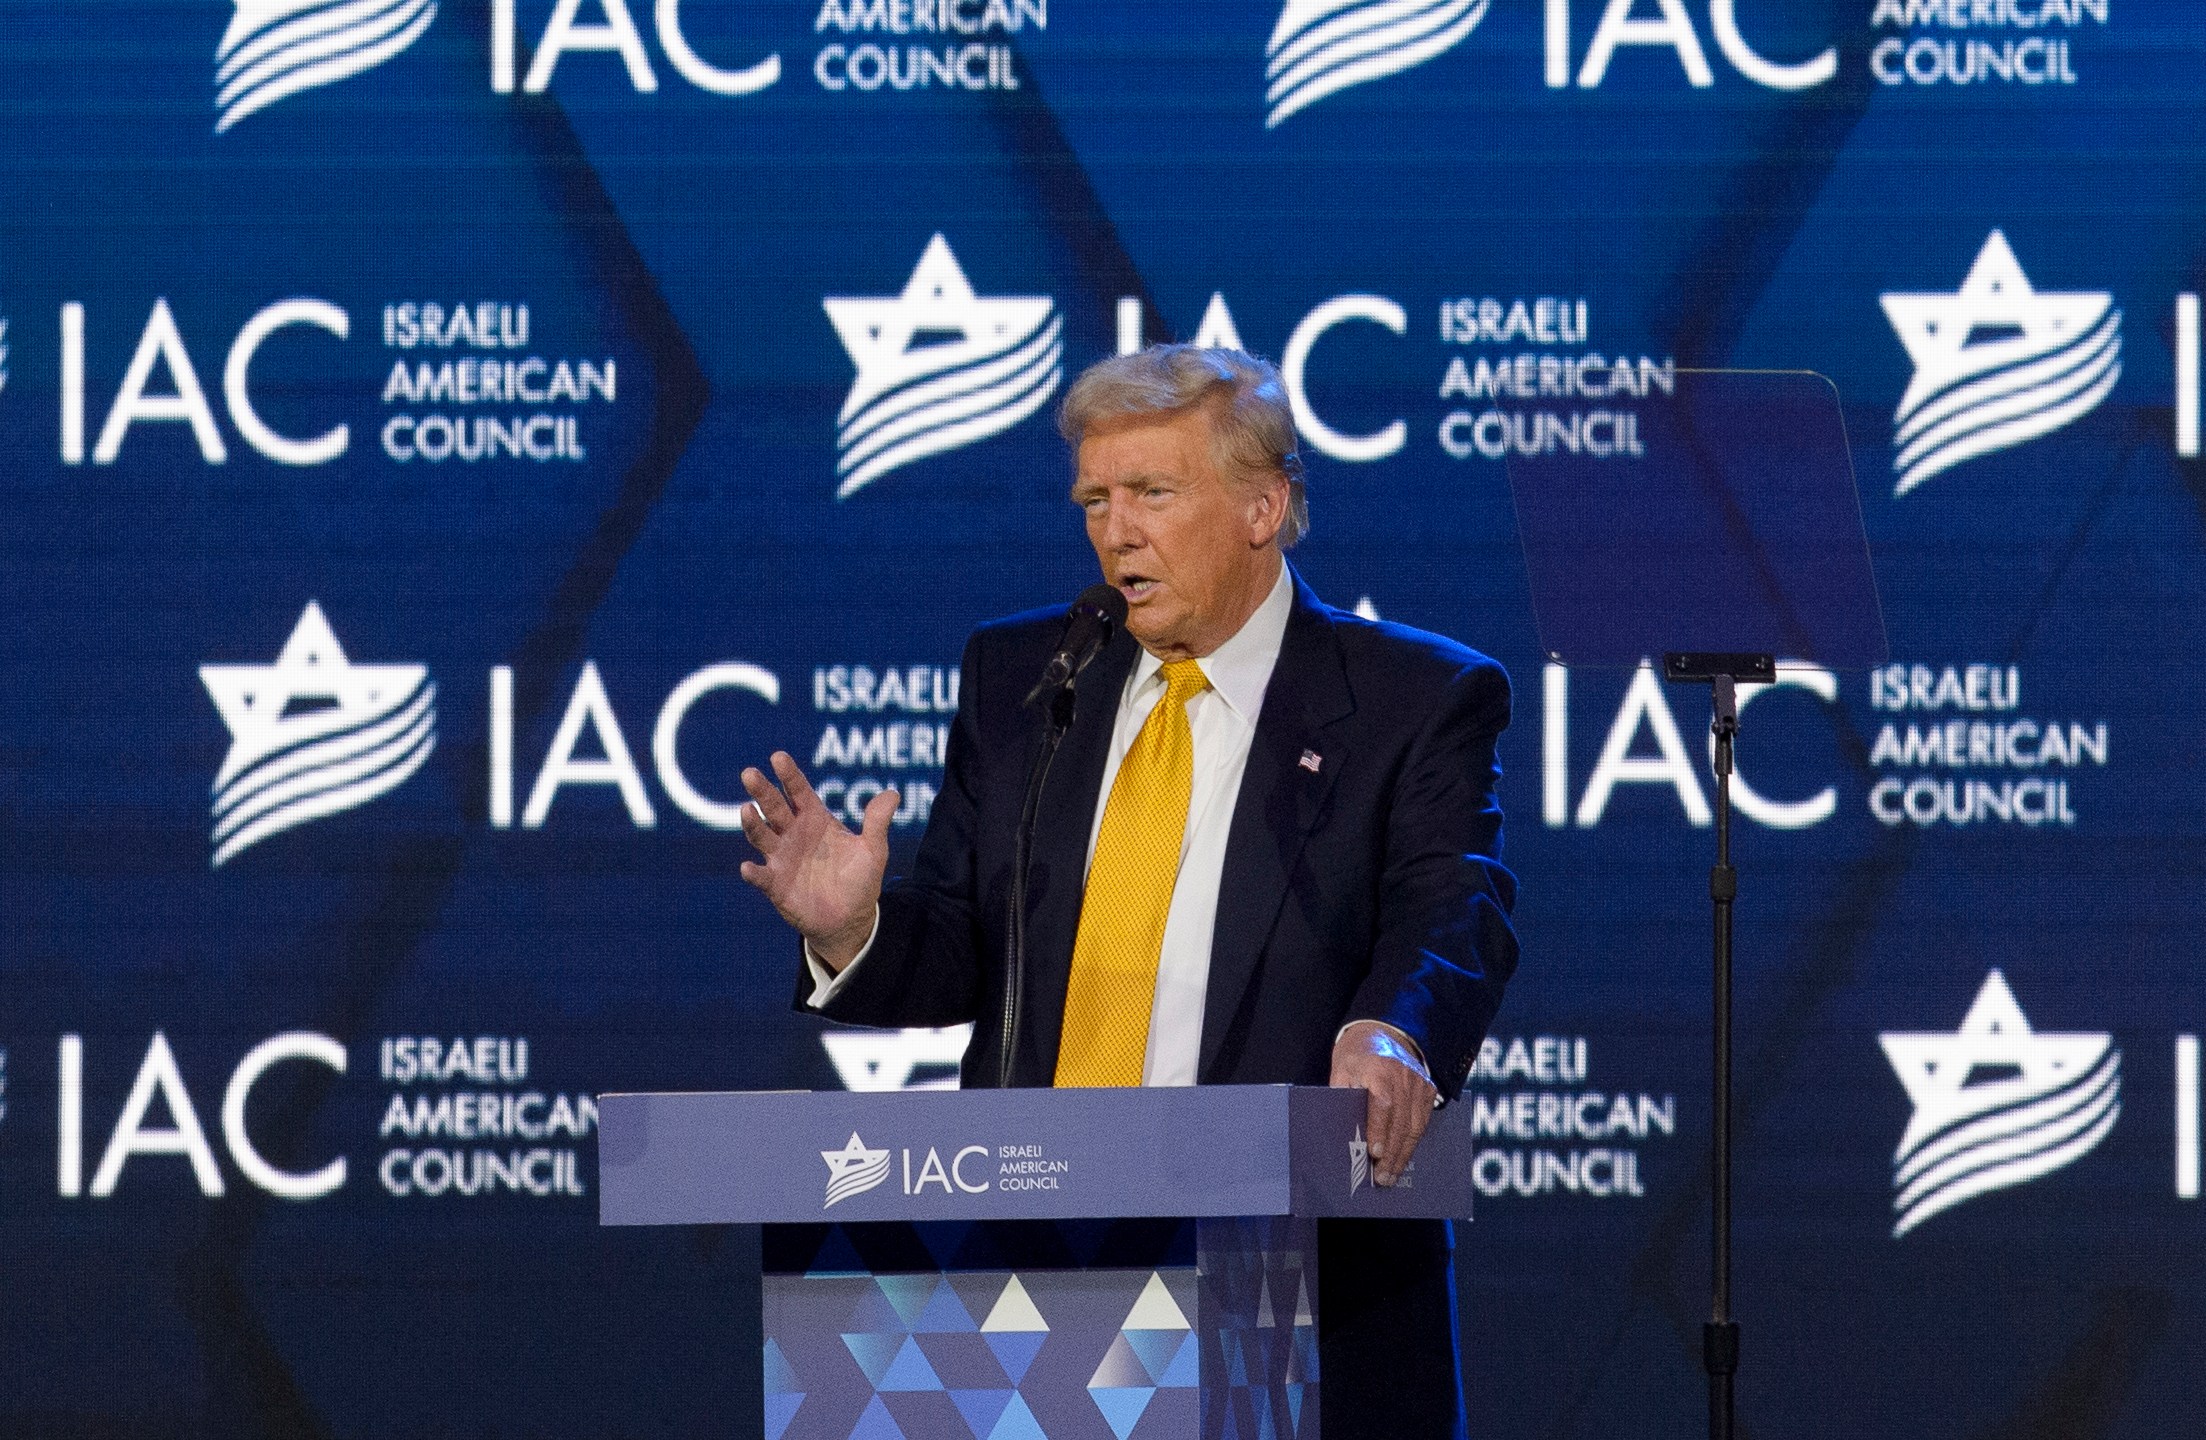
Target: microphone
1099 610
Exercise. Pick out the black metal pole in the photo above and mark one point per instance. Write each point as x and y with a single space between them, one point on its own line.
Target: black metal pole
1022 847
1720 1336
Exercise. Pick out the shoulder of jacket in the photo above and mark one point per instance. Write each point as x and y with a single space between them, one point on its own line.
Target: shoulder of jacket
1417 656
1023 640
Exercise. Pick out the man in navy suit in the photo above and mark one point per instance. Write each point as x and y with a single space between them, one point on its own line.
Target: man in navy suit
1339 913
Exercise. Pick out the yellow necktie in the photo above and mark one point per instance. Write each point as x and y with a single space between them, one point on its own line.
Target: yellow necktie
1137 861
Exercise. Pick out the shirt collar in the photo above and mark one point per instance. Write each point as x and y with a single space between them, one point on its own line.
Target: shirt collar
1240 669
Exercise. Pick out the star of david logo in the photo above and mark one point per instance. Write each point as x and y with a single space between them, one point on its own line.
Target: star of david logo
1323 46
853 1170
313 734
274 48
1995 1103
1997 362
938 366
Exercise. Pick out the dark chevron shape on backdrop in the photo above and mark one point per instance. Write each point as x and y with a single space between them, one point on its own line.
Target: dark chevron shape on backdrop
373 934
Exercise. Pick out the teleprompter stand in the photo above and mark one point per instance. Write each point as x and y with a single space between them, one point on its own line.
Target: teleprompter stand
1720 1334
1726 533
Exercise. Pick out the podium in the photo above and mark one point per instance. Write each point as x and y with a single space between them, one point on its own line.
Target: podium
1016 1264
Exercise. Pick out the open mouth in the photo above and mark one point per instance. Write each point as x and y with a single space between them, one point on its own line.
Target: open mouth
1136 588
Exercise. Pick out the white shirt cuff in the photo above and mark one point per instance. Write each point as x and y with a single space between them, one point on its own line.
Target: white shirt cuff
827 984
1408 1044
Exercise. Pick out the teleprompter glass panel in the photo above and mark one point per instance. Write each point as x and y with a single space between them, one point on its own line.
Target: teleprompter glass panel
1715 514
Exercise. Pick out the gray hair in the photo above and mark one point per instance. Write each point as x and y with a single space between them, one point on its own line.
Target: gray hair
1252 426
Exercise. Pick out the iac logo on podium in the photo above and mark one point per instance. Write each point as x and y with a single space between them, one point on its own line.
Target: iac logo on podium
2044 1101
1359 1166
939 367
313 734
1997 363
853 1170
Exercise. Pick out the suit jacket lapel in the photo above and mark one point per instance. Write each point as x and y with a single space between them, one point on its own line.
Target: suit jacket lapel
1059 876
1281 799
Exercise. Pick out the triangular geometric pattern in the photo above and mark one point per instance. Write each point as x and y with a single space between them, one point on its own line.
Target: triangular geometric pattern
963 1359
783 1397
875 1313
976 1290
877 1424
1154 1333
837 1256
1156 1309
1015 1350
1185 1370
1157 1349
992 1355
1237 1365
1258 1307
1122 1407
909 1371
943 1312
781 1376
1014 1310
1018 1423
780 1410
908 1294
1122 1367
1302 1356
924 1414
874 1352
982 1408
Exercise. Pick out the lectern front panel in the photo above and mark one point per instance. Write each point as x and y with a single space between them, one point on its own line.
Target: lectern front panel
1123 1330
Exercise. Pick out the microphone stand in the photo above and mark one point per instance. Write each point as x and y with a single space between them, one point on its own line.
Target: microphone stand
1720 1335
1057 722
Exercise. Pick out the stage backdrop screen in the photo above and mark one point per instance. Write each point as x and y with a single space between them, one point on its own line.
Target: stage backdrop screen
447 440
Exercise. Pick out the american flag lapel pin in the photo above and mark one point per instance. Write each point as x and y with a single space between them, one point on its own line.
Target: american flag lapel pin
1310 761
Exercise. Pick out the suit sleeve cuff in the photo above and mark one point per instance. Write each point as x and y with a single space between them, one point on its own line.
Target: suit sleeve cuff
827 984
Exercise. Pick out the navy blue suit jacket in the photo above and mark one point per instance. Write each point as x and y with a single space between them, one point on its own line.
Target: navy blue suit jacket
1362 883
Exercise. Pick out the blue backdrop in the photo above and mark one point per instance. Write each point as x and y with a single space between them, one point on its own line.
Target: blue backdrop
448 439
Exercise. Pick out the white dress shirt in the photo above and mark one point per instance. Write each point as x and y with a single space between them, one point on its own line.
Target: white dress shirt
1222 720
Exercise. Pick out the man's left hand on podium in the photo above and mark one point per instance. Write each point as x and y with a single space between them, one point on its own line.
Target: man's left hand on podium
1379 1060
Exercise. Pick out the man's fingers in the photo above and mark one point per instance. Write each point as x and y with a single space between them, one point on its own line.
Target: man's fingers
1400 1109
772 808
880 810
1382 1126
758 832
792 780
1417 1115
754 872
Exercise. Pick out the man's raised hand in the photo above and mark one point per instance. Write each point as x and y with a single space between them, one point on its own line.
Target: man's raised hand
824 879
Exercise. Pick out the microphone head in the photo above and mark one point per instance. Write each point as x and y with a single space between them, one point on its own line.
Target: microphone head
1105 601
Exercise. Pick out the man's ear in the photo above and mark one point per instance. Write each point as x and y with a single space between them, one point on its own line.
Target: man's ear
1267 511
